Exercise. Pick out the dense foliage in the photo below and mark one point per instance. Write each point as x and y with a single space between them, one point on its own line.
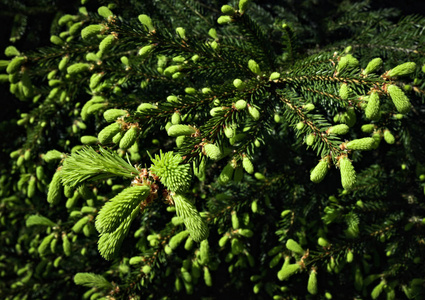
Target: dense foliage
198 149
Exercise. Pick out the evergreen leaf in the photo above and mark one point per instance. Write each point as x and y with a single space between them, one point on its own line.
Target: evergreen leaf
116 210
89 165
92 280
39 220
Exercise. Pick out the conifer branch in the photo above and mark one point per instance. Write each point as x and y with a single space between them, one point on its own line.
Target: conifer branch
109 243
328 144
87 164
239 98
116 210
257 39
289 40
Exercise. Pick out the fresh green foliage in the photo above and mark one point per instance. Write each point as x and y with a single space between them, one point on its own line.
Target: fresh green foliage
115 211
92 280
175 176
193 221
87 164
38 220
208 149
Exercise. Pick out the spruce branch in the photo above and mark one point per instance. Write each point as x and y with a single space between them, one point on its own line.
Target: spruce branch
174 175
234 100
109 243
257 38
289 40
89 165
314 124
193 221
116 210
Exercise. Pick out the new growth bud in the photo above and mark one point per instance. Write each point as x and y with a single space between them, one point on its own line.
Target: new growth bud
239 84
243 5
106 134
319 172
361 144
346 62
344 91
181 32
224 20
389 137
228 10
372 108
104 12
254 67
88 140
78 68
226 174
274 76
213 33
212 151
179 129
129 137
240 104
403 69
55 189
294 247
247 165
11 51
147 22
309 140
169 71
340 129
287 271
105 44
308 107
91 31
111 115
373 66
400 100
15 64
368 128
312 283
254 112
348 174
54 39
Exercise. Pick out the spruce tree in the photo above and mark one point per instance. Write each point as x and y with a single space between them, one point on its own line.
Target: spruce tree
205 150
